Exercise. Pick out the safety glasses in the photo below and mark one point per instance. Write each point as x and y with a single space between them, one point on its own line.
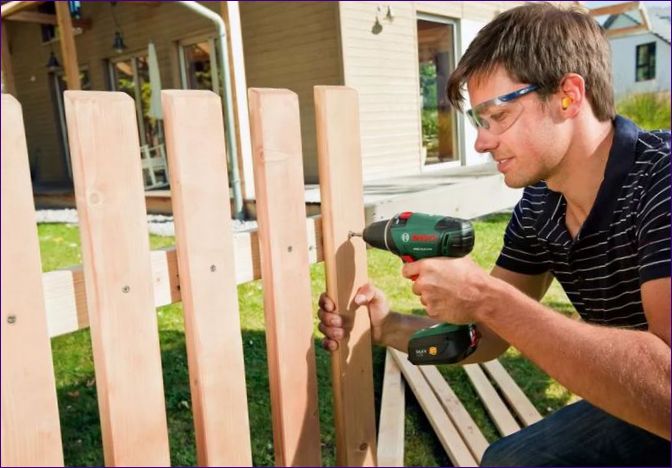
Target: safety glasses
498 114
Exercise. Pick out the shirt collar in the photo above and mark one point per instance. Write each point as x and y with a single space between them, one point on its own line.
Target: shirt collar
619 164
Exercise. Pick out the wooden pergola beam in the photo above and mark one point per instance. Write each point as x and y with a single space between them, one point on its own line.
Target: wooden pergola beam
7 69
615 9
45 18
621 8
68 49
11 8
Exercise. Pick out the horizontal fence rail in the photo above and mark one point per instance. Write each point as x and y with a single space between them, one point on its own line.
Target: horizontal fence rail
65 294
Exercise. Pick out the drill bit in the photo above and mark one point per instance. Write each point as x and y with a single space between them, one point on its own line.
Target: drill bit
352 234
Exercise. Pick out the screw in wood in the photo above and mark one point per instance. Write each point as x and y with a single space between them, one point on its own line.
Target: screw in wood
11 319
125 289
213 268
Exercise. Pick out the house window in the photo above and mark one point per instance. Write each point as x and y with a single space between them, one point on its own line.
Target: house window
198 65
646 62
436 56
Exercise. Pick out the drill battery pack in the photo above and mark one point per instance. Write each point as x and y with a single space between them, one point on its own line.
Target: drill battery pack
443 343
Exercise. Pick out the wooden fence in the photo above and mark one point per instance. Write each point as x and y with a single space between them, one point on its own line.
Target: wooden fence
120 282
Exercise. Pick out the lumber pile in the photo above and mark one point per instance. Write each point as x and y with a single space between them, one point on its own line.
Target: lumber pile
463 441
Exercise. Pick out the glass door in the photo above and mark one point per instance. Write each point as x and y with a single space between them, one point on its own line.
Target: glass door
436 57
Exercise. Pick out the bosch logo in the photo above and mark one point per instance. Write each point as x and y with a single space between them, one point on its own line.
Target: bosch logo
424 237
405 237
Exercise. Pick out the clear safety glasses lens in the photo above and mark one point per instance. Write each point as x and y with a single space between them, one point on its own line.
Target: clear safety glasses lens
496 117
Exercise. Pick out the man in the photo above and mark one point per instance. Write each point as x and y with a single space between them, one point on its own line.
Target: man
595 214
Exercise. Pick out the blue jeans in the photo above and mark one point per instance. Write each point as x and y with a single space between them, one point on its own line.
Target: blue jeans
579 435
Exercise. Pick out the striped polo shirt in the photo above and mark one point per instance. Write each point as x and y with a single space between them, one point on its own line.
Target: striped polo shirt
624 241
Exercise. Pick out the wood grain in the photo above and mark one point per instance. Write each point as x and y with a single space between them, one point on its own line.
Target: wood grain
463 421
31 434
392 416
109 191
514 396
278 175
496 408
341 189
443 427
204 243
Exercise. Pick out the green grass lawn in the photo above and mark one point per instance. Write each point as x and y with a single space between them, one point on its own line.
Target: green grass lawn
75 378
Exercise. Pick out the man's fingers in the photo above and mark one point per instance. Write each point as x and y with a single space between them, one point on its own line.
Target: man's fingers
329 345
417 288
366 294
331 332
326 303
329 319
410 270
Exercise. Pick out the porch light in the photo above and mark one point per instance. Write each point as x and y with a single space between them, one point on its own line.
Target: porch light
52 64
377 27
118 45
389 16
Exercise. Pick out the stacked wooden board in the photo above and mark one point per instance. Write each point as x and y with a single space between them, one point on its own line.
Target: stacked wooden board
464 443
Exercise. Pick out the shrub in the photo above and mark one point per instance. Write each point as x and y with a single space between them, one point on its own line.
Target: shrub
651 111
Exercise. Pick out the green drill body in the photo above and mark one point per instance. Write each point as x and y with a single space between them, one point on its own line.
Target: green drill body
414 236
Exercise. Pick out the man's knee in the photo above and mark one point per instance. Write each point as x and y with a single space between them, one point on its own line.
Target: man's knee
499 453
517 449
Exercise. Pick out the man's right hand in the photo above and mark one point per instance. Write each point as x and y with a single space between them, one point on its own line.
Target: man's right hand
331 323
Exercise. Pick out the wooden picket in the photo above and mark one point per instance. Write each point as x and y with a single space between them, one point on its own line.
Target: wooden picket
202 212
341 189
104 148
31 433
278 179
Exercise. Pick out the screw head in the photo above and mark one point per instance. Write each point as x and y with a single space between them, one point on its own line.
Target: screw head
125 289
213 268
11 319
290 248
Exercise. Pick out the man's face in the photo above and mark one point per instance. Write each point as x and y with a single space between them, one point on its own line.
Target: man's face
531 148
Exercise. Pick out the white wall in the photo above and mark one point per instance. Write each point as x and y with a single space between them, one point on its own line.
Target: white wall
624 65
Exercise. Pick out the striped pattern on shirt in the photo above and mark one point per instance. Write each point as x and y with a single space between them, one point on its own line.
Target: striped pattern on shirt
624 241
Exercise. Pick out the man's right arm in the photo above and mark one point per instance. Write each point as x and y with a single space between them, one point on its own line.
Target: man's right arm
491 345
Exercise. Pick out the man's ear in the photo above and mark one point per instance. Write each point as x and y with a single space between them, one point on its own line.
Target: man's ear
571 94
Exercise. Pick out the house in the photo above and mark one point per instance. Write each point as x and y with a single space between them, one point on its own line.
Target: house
641 58
397 55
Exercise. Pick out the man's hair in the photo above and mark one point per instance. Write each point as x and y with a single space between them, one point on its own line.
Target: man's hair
539 44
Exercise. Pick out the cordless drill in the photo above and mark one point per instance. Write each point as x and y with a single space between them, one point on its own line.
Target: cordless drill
414 236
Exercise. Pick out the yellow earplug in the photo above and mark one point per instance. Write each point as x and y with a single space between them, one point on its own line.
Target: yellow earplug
566 101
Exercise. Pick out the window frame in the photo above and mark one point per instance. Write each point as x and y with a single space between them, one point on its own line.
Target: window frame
650 66
214 62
